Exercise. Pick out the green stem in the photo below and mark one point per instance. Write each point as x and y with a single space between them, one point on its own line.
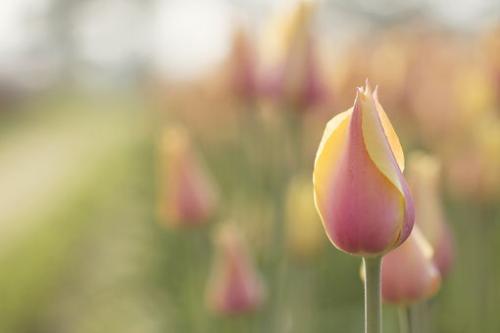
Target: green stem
484 260
417 319
373 303
404 320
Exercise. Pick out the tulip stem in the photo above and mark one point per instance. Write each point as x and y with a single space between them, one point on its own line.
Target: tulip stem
373 303
404 320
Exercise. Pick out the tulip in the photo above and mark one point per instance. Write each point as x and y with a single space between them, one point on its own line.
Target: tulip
444 251
424 175
234 286
188 196
294 77
243 66
474 91
360 193
409 274
303 230
491 47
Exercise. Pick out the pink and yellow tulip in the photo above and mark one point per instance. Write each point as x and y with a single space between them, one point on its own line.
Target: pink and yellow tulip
359 189
293 75
234 286
242 65
187 194
409 274
424 178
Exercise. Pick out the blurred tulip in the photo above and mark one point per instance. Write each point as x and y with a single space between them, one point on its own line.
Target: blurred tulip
424 176
409 274
472 170
491 46
234 286
474 91
294 76
187 194
243 66
304 234
360 192
444 251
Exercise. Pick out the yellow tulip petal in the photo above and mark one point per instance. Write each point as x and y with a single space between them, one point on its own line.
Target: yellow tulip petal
376 139
390 133
328 154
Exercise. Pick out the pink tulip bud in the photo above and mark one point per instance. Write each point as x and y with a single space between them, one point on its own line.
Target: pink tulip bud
360 192
294 77
444 251
243 66
234 286
187 194
409 274
424 176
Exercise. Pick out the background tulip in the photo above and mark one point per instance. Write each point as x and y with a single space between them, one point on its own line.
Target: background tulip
293 75
303 228
187 194
424 176
242 66
234 286
360 192
409 274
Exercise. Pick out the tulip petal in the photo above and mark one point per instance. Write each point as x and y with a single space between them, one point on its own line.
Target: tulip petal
328 155
390 133
376 141
381 150
362 195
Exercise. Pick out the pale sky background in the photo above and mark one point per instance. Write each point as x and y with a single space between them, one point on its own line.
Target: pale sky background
181 38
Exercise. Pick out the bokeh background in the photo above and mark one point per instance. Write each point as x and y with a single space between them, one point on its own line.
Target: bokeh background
93 94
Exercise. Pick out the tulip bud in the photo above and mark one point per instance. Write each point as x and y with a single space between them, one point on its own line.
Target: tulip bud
424 175
294 77
303 230
360 193
187 194
409 274
234 286
444 251
491 48
243 66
